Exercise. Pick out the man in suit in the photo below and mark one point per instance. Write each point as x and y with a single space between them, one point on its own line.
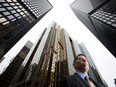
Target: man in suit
80 78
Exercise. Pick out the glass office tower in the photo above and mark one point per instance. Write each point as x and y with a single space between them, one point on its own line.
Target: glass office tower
17 17
50 58
99 16
8 73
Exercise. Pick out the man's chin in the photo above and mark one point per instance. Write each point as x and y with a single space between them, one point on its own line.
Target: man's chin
82 70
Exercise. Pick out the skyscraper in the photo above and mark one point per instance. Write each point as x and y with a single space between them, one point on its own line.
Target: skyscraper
99 16
50 58
17 17
8 73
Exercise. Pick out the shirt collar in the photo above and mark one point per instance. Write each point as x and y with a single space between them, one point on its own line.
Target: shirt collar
82 75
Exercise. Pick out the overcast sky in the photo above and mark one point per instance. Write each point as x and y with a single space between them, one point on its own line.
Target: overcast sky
64 16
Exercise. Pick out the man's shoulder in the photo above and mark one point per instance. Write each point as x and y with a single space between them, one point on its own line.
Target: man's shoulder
67 81
69 77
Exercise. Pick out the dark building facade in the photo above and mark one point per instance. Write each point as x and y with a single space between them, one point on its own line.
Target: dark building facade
7 75
50 58
17 17
115 81
99 16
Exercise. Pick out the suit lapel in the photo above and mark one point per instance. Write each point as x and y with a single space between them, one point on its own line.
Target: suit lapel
80 81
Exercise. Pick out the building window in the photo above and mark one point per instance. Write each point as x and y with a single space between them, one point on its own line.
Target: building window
7 36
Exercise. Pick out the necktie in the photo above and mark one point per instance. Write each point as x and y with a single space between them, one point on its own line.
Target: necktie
89 81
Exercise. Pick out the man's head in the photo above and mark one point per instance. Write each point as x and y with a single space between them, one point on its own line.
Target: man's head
81 63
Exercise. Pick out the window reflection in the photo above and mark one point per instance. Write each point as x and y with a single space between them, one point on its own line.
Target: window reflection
10 17
14 0
2 0
2 9
13 11
6 4
15 7
16 15
12 4
9 8
8 0
5 23
17 4
2 19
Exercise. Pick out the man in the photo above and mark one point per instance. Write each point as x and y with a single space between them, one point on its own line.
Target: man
80 78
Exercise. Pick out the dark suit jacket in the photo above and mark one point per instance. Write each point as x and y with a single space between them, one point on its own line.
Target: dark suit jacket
75 81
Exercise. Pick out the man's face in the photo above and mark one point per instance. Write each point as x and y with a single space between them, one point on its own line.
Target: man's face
81 64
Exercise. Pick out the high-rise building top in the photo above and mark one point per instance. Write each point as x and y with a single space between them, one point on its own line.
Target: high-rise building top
17 17
37 7
106 13
99 16
49 59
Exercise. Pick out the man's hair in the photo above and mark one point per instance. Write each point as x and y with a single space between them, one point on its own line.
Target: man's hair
75 59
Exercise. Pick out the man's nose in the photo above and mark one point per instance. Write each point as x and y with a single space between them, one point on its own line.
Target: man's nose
83 60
